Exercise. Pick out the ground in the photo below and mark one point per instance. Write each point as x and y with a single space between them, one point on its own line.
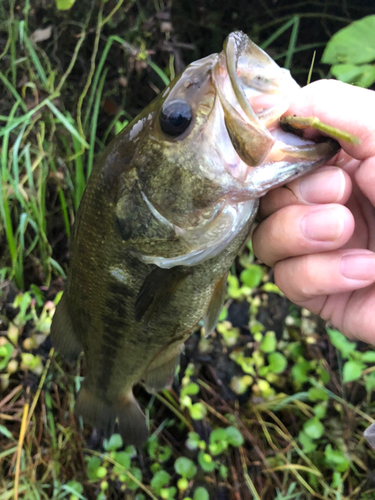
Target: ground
273 405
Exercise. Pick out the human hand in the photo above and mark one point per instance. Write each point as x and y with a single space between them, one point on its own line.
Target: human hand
320 233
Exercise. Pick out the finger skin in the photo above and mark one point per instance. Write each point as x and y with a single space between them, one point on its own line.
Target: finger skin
339 105
286 233
308 276
316 282
328 184
365 177
329 271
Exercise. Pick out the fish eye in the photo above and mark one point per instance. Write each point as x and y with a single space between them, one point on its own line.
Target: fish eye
175 117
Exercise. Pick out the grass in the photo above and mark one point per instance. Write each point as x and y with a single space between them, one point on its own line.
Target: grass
273 405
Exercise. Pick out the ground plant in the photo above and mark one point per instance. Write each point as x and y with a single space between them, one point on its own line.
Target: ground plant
274 403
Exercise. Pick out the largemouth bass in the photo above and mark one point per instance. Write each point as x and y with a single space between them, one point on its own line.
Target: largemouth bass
168 206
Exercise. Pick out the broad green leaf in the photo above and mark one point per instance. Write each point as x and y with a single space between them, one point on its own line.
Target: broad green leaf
269 342
197 411
6 351
362 75
317 394
352 371
101 472
320 410
191 389
206 462
313 428
354 44
341 343
201 494
137 473
307 443
193 441
368 357
168 493
218 435
370 382
336 458
300 370
185 467
252 276
277 362
65 4
160 479
92 467
113 443
123 459
234 436
157 451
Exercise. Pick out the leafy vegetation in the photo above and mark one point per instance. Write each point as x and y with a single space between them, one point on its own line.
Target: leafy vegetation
273 405
351 50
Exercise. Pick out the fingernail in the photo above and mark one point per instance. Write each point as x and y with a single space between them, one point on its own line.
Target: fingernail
324 224
323 186
358 266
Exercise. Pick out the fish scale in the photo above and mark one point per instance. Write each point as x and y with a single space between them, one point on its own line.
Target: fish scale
167 208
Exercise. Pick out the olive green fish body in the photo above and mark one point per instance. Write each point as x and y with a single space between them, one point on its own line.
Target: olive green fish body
106 278
167 208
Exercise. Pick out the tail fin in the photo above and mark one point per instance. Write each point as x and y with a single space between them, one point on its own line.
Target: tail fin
102 414
63 336
95 411
132 422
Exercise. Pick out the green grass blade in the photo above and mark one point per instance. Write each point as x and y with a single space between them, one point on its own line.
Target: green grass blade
277 33
159 72
12 124
98 72
80 180
15 156
13 91
35 59
73 131
94 122
26 154
292 43
57 267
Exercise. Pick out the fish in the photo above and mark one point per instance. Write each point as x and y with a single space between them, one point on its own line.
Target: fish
168 206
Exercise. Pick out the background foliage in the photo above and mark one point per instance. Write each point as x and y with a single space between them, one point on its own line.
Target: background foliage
273 405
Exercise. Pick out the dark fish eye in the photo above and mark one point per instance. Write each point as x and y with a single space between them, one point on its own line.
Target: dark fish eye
175 118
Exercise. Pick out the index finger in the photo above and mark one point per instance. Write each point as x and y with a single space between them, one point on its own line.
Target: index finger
342 106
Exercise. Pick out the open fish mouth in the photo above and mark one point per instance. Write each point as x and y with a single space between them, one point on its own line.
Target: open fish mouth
254 92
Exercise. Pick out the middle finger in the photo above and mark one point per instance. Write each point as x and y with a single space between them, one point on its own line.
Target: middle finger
299 230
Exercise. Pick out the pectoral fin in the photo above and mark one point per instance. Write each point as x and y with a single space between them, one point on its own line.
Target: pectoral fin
63 337
211 317
157 290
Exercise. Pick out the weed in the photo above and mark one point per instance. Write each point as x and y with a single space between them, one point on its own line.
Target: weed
272 405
